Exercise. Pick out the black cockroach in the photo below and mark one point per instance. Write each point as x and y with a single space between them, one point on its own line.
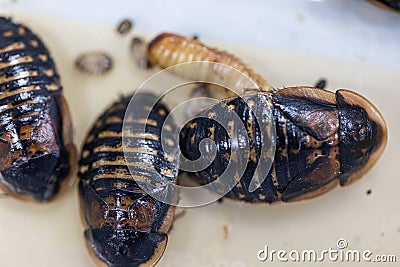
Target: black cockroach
393 5
125 225
322 138
37 154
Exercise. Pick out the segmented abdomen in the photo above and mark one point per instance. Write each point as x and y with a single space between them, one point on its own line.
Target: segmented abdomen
169 49
122 218
27 77
31 123
299 162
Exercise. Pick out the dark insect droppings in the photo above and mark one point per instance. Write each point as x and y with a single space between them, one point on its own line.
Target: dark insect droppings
94 63
139 53
369 192
124 26
225 230
321 83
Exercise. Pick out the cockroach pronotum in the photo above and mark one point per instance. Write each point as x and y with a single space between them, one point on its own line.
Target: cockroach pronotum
125 225
37 154
393 5
322 138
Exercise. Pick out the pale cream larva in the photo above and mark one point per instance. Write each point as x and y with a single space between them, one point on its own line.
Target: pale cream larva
169 49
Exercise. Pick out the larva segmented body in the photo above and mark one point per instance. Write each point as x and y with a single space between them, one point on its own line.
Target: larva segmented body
37 154
322 139
169 49
125 225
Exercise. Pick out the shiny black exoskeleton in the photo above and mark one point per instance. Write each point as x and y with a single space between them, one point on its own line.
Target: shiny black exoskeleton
322 139
125 225
37 154
391 4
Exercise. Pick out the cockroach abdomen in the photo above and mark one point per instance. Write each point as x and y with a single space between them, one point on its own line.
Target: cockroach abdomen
35 128
126 226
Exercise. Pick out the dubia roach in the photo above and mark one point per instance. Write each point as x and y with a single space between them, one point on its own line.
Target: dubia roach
37 154
322 139
125 225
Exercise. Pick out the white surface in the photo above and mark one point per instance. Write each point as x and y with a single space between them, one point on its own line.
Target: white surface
290 42
347 29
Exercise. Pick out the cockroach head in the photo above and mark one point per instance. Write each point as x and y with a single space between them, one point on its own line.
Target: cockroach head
363 135
126 247
34 178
